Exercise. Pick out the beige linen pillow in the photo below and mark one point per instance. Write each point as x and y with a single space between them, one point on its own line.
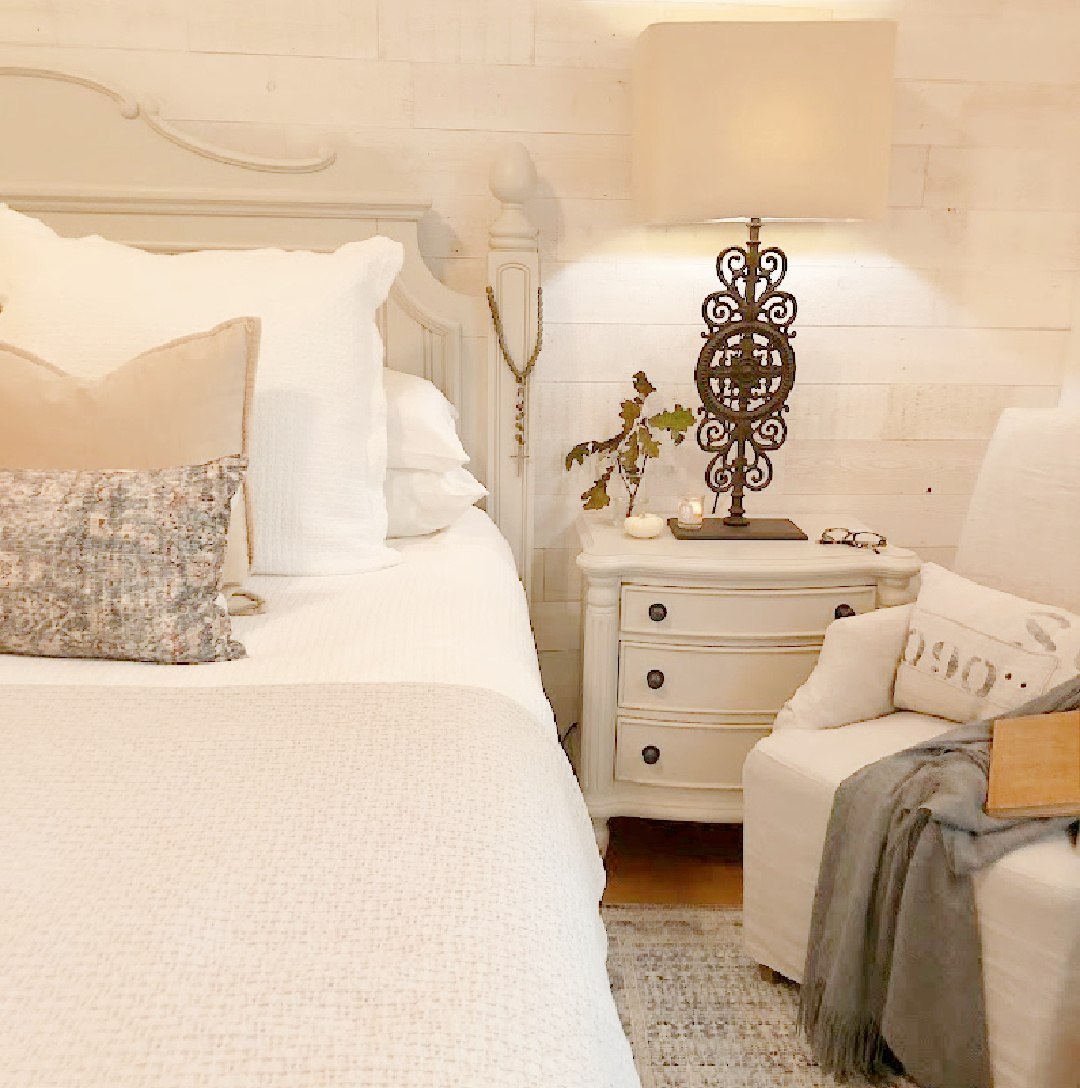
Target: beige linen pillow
117 563
184 403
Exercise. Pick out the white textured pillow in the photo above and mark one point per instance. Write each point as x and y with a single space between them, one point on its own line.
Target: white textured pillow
853 678
318 424
420 425
421 502
974 652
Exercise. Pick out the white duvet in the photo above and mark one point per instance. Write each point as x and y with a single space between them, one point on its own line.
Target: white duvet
308 877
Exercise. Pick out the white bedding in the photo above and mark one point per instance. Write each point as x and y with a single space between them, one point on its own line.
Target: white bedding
297 886
299 874
385 625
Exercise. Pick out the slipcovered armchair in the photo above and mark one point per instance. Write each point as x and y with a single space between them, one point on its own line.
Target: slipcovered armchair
1021 537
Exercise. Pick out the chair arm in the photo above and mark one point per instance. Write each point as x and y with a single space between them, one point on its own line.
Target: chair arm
854 676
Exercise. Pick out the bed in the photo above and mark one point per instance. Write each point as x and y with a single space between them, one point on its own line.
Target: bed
356 856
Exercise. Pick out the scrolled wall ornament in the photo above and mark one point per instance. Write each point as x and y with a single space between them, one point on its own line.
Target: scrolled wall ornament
131 109
744 373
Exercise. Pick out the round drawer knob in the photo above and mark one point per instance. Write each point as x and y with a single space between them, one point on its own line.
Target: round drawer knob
655 679
650 753
657 612
842 611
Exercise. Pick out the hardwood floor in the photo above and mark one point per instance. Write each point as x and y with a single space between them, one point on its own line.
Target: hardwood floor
658 861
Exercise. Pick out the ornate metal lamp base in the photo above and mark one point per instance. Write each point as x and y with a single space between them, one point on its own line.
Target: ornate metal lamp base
754 529
744 374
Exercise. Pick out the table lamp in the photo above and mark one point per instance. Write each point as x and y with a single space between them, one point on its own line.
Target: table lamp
757 121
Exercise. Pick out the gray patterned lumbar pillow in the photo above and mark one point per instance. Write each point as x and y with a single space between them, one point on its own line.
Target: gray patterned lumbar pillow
116 563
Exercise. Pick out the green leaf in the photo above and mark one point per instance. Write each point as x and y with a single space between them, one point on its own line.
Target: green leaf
578 454
631 412
596 497
648 444
675 421
642 386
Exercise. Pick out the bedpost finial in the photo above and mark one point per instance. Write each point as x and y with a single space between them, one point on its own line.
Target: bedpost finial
513 175
512 180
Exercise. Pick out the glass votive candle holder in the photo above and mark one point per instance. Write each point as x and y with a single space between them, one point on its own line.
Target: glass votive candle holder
691 512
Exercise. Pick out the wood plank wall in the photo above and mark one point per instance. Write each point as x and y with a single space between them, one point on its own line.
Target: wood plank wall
913 333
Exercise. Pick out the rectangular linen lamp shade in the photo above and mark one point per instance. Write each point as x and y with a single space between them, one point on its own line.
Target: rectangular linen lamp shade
773 120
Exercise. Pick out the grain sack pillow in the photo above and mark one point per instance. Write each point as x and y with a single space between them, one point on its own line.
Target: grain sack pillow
184 403
973 652
122 564
318 425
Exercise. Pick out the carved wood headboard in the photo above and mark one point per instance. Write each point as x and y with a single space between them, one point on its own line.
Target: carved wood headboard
89 159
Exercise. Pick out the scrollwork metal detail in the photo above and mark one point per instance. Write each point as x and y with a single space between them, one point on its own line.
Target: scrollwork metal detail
745 371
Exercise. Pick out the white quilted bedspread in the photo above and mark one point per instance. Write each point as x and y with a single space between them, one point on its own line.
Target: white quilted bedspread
304 886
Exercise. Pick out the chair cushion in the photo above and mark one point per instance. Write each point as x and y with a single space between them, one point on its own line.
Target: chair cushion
827 758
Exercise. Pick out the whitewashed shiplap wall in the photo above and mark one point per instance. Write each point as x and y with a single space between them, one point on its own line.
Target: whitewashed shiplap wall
913 334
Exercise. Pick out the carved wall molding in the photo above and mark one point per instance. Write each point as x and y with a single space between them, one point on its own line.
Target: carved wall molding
132 109
188 202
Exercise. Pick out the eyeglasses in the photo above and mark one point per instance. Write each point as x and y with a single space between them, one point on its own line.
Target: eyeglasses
853 540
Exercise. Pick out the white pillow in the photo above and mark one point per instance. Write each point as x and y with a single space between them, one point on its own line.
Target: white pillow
421 502
318 424
420 425
853 678
974 652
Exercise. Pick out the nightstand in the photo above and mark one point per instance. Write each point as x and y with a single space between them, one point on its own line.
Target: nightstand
690 649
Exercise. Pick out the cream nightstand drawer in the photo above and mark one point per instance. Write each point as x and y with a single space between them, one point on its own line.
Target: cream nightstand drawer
667 678
650 611
690 648
690 756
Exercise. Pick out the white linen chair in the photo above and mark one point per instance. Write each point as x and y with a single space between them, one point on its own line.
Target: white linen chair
1021 535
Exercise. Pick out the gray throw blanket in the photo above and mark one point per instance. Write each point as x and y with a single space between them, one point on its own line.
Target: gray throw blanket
893 962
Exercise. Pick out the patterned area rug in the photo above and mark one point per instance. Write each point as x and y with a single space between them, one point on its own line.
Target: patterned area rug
697 1012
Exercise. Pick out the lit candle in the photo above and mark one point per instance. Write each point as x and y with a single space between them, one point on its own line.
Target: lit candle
691 512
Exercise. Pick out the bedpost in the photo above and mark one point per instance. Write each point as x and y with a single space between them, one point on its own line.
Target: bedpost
514 279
